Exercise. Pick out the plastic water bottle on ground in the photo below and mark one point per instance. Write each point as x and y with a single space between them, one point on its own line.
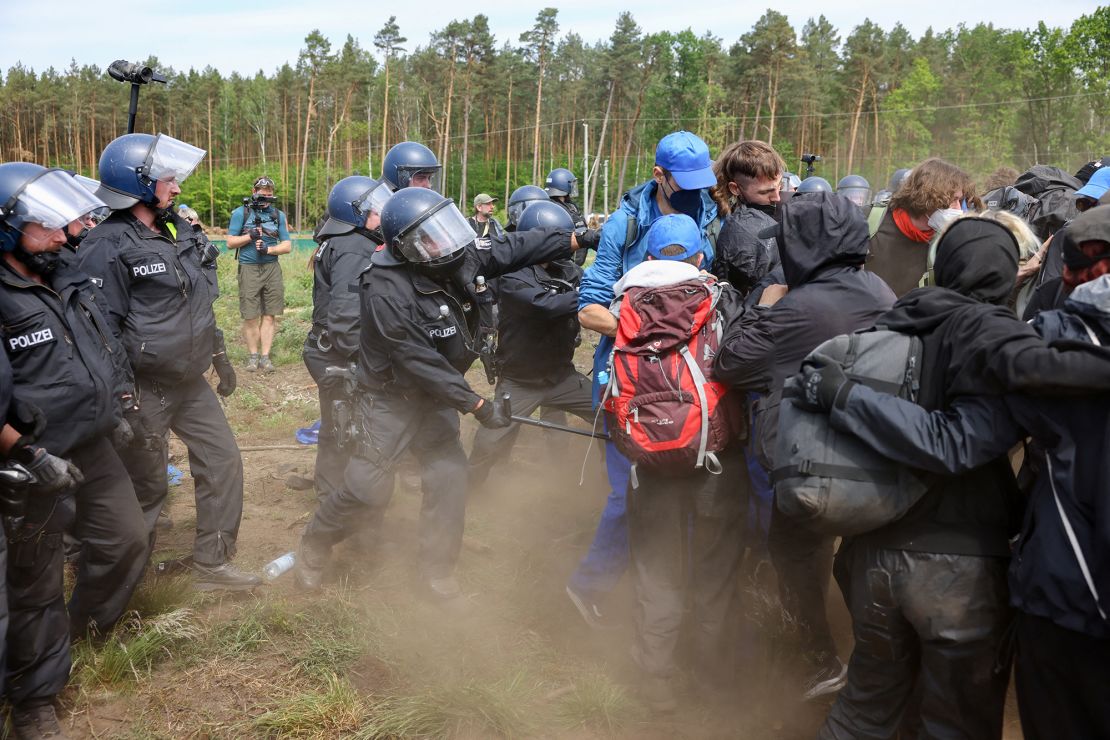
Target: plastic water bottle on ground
279 566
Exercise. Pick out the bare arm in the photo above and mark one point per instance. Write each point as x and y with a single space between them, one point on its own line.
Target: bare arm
600 319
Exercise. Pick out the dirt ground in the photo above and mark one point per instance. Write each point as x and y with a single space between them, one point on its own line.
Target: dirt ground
370 658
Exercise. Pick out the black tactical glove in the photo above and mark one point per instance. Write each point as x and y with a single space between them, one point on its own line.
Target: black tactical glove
123 435
52 474
255 234
28 420
223 367
492 415
822 384
588 238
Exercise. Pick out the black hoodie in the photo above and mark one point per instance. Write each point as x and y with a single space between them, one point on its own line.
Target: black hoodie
973 346
822 244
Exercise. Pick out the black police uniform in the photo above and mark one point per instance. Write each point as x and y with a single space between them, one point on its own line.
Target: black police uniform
67 362
579 220
333 341
160 304
538 333
416 341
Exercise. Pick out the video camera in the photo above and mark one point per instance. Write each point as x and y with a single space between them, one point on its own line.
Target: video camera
136 74
808 160
259 202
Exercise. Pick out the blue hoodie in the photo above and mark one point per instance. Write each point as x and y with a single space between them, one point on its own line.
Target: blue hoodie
613 260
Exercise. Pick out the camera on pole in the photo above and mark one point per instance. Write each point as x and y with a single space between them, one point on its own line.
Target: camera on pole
136 74
808 160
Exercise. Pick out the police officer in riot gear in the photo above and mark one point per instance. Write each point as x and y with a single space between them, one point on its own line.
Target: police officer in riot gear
520 199
159 299
348 239
538 329
411 165
562 185
856 189
66 361
418 322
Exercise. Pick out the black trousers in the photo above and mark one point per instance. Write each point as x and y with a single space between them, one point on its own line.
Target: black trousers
1062 681
38 627
686 540
571 393
390 426
192 411
930 630
330 460
113 539
803 563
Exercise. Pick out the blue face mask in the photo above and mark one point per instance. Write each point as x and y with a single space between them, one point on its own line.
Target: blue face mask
684 201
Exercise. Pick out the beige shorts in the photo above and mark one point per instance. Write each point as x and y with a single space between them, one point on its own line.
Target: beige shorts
261 290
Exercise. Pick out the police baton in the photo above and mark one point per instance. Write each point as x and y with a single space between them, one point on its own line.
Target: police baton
506 405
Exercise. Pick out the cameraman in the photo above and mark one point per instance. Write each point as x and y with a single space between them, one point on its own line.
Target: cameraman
260 232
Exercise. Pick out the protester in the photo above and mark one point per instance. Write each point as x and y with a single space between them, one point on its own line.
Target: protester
483 222
680 182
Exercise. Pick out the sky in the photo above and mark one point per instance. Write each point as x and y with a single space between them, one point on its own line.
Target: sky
249 36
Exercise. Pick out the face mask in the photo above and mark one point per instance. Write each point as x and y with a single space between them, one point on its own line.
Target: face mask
685 201
769 208
940 218
40 263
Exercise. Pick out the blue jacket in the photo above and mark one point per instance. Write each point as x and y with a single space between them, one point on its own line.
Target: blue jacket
613 260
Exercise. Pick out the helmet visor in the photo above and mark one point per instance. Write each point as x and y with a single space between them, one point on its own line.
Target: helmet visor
859 196
373 200
440 235
516 209
170 159
419 177
53 199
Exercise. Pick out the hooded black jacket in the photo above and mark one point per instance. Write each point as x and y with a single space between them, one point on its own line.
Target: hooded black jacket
159 297
1054 190
743 259
823 245
417 334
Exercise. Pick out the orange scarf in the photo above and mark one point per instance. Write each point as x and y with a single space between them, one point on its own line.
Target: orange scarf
902 221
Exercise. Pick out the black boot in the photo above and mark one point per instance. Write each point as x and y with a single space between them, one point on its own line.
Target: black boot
36 719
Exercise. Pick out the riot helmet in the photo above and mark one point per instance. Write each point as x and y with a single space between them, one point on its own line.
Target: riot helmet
856 189
409 160
351 201
814 184
790 182
48 198
520 199
542 214
131 166
561 182
1009 198
425 229
896 179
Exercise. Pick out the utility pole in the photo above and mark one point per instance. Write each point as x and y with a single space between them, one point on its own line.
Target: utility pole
605 181
586 162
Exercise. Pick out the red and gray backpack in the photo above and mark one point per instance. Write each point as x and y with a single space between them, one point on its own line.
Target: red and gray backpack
666 413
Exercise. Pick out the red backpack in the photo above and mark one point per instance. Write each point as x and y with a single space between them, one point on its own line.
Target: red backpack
664 409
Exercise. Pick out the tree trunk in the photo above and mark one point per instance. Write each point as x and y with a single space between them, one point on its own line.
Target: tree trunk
445 151
304 149
632 130
508 143
856 117
600 148
536 132
385 106
211 180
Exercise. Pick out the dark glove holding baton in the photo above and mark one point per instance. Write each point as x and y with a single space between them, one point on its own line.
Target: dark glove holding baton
53 475
491 415
223 367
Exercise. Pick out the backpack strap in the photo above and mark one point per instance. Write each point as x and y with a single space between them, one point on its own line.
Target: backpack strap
699 386
1087 328
1074 541
630 232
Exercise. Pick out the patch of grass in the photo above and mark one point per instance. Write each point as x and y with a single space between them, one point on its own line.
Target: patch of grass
162 595
496 709
336 710
326 653
254 627
132 649
595 702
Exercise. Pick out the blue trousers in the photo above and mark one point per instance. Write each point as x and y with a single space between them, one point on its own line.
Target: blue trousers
607 559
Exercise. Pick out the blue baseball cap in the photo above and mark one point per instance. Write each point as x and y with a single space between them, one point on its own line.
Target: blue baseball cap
1097 186
674 228
686 157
